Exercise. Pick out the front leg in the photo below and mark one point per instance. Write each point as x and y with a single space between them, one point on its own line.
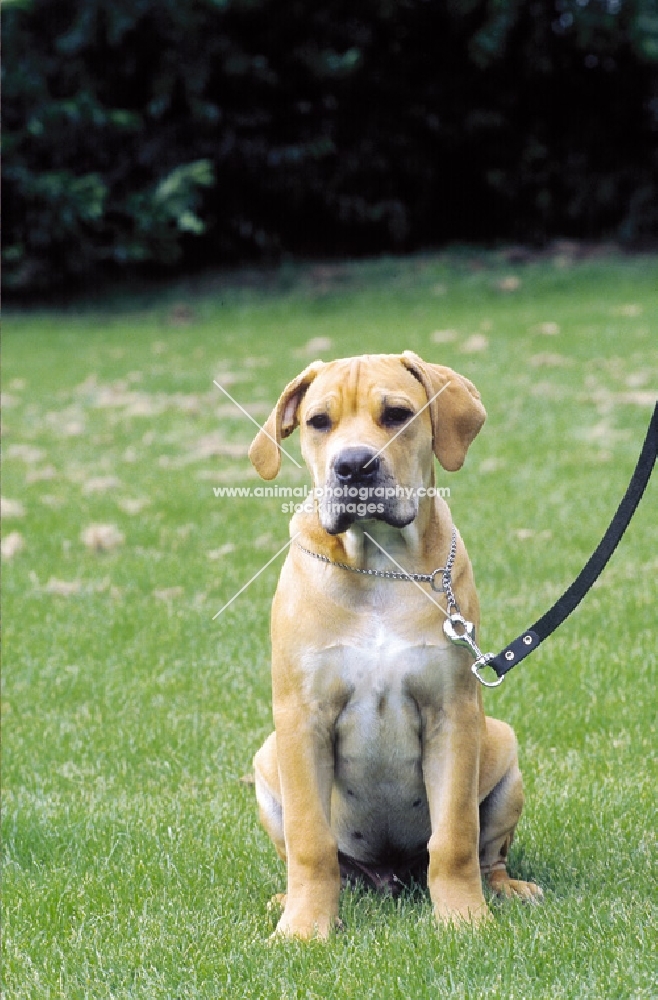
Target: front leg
451 755
306 769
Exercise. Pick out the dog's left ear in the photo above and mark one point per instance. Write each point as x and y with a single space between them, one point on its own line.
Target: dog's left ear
455 409
264 452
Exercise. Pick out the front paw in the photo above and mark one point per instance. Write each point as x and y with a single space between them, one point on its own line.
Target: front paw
459 900
306 926
311 903
473 914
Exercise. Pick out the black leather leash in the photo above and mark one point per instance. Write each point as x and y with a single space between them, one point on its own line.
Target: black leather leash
529 640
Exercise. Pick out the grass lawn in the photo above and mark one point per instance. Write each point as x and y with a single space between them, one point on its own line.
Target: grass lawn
134 864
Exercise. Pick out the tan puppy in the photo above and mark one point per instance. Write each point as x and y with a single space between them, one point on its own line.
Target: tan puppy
382 756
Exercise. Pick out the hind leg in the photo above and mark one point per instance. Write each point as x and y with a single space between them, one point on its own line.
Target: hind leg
501 802
268 793
270 810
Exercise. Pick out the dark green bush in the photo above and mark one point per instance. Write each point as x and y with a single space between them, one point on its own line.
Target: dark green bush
165 133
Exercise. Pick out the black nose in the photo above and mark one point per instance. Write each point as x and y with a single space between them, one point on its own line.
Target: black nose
356 465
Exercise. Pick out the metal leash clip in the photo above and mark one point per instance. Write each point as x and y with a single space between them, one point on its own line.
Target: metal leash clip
466 638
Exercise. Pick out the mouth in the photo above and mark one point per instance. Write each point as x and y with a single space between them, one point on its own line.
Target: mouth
340 507
346 519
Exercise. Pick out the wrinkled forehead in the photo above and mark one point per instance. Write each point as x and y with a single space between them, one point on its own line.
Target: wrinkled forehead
355 382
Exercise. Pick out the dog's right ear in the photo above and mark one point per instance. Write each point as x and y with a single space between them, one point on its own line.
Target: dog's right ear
264 452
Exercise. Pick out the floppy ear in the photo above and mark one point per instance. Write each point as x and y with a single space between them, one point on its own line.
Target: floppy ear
456 411
264 452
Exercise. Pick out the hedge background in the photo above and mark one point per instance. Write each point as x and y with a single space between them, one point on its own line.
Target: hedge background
178 133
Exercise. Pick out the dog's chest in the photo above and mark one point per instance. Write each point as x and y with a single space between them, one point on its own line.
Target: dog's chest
378 669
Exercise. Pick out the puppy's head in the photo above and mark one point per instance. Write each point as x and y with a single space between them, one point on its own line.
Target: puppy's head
369 426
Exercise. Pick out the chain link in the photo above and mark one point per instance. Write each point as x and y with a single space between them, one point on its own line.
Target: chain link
447 575
443 571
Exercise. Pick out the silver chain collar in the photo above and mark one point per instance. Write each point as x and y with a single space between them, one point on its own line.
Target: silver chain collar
442 572
454 620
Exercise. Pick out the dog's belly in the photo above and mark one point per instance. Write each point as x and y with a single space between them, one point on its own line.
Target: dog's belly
379 809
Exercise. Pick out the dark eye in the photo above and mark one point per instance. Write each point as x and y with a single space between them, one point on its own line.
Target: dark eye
393 416
319 422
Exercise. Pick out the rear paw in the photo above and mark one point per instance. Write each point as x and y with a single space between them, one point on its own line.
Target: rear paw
511 888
